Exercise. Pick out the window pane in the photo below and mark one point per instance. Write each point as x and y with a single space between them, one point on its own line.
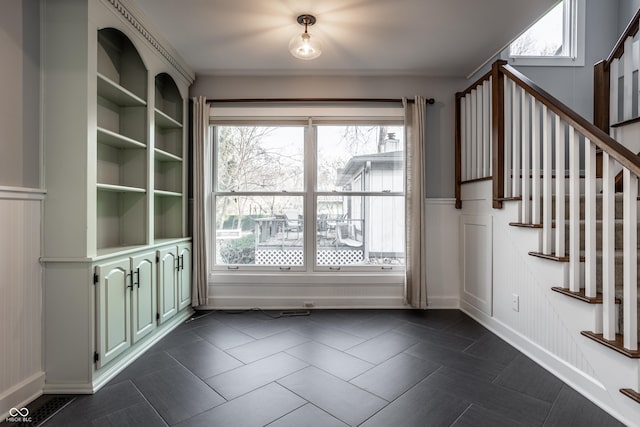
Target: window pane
259 230
360 230
258 158
360 158
544 38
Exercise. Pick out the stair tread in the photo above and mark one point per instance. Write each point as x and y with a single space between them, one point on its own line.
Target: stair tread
630 393
616 344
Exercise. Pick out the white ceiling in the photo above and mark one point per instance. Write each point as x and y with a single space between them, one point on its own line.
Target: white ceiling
360 37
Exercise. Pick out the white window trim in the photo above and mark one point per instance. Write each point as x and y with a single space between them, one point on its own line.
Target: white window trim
308 117
574 37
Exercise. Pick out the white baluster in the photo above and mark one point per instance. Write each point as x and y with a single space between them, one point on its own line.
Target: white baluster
474 134
535 162
480 141
469 156
560 187
486 129
574 210
516 138
608 248
630 266
526 147
590 219
547 183
636 67
614 74
463 139
627 101
508 138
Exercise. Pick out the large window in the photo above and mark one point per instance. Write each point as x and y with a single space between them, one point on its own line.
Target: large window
556 39
325 196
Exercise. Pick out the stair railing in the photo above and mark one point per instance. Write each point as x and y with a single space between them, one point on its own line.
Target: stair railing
622 65
541 149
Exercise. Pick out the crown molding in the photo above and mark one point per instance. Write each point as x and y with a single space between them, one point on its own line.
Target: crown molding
134 19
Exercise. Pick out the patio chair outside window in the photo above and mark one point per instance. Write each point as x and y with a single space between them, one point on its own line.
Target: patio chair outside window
348 235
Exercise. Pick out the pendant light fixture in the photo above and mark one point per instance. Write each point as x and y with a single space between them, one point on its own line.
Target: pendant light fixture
304 46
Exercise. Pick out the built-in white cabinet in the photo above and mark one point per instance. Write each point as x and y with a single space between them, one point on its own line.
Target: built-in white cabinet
184 275
115 162
143 295
174 280
168 265
113 309
125 304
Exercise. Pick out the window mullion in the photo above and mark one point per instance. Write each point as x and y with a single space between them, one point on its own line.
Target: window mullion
310 202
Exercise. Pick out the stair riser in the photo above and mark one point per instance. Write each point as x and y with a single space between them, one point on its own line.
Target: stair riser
618 231
618 206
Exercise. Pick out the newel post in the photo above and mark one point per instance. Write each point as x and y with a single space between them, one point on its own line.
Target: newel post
497 132
601 96
458 151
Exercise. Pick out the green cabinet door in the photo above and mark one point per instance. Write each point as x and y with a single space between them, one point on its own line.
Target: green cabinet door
184 276
113 306
143 296
167 283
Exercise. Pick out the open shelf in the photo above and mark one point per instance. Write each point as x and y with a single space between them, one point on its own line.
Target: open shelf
168 101
122 172
167 193
168 218
121 217
117 94
164 156
113 139
119 188
166 122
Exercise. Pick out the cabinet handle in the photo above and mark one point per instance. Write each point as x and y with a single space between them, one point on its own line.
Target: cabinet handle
178 264
130 276
285 268
181 262
335 268
137 282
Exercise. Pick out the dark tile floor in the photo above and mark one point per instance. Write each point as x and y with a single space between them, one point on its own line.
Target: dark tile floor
333 368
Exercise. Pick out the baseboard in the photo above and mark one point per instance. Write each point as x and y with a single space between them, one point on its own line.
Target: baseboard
21 394
442 303
119 364
279 303
578 380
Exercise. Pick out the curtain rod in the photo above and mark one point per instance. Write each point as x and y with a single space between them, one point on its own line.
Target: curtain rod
258 100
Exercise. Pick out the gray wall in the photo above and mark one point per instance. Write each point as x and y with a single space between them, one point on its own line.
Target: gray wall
440 117
626 11
20 94
574 85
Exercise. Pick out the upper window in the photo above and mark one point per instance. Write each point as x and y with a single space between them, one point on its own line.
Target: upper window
556 39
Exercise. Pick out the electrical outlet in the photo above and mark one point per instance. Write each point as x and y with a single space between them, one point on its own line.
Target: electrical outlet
515 302
309 304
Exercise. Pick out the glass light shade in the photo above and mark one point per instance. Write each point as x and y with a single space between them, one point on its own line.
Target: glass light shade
303 46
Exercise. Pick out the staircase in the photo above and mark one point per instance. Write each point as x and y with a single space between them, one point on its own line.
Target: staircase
560 172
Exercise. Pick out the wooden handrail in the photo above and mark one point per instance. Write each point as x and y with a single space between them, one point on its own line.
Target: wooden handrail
475 84
617 151
630 31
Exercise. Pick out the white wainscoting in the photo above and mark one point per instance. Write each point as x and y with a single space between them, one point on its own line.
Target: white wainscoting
547 325
21 370
477 271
